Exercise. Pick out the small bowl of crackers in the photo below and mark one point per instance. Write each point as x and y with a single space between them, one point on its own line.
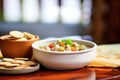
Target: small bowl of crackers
17 44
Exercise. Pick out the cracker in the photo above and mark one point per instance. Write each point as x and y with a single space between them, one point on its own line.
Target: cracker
1 56
24 65
4 63
7 37
8 60
19 67
19 61
11 65
31 63
28 35
16 34
21 39
2 67
22 59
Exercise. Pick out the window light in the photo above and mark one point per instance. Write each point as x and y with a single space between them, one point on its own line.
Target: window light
70 11
12 10
31 10
86 11
49 11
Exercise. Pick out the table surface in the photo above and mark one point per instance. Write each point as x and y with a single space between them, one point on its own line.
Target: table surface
78 74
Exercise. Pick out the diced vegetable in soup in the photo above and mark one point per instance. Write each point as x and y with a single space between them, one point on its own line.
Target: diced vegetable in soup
63 45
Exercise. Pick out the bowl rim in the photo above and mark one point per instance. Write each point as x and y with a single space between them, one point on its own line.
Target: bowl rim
37 43
36 38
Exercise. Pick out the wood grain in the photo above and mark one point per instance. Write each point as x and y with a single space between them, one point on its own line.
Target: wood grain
79 74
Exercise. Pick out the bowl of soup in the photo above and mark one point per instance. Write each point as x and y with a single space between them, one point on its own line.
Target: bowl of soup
64 54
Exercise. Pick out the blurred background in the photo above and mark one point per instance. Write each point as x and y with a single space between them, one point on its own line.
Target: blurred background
96 20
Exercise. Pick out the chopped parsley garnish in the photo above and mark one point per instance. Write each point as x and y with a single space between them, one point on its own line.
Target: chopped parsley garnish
67 41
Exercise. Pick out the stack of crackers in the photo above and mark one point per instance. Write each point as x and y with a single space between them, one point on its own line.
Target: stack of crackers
16 63
18 36
107 56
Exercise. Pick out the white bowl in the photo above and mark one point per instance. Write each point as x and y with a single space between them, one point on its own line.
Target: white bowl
64 60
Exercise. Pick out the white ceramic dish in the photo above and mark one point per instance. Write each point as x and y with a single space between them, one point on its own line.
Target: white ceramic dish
64 60
20 71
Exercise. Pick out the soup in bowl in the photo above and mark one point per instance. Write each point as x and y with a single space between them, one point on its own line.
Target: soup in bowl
59 54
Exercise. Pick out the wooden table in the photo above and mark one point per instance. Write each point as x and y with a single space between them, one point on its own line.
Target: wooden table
79 74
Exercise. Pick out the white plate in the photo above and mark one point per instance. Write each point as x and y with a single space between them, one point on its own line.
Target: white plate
19 71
